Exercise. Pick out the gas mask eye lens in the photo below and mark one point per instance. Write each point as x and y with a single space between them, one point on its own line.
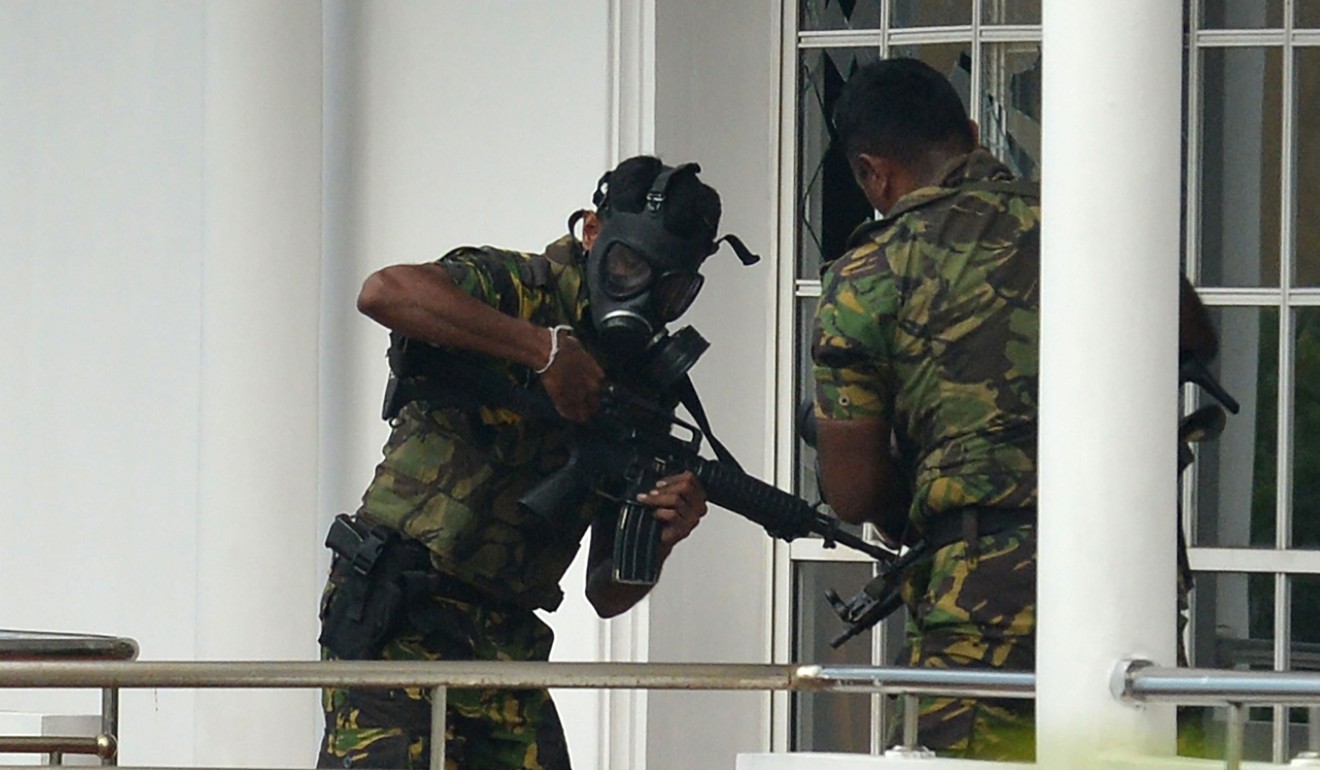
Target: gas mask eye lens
626 272
674 293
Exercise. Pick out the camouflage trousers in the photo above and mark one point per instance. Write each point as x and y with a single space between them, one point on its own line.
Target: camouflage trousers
976 611
485 729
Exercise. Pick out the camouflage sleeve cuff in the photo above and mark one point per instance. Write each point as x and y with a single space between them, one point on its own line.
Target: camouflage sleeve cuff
850 394
479 273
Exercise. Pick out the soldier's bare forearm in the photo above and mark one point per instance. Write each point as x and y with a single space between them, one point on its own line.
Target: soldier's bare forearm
423 303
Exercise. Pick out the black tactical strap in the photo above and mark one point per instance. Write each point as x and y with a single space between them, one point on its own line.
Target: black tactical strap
687 396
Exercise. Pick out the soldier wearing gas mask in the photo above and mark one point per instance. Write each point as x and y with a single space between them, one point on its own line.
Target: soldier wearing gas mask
440 562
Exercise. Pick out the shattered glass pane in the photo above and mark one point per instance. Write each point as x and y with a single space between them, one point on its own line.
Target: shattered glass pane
1010 12
932 13
1010 105
820 15
830 204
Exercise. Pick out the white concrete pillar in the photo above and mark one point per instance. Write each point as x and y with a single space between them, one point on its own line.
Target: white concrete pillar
257 540
1109 275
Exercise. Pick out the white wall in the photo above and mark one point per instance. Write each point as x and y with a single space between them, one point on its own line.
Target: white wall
191 194
101 243
717 103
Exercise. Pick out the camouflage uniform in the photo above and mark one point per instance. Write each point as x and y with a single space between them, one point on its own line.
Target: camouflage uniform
450 479
930 323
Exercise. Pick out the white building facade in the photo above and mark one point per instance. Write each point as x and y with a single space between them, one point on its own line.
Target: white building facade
191 192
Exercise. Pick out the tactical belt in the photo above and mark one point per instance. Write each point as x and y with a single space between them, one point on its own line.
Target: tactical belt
970 523
411 560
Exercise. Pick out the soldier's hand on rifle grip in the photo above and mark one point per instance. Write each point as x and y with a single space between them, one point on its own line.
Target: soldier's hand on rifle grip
679 502
573 380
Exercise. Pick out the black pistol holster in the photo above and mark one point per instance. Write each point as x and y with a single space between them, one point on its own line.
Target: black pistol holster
373 571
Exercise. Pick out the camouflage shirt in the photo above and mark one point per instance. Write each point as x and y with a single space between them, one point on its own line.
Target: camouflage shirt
452 475
930 322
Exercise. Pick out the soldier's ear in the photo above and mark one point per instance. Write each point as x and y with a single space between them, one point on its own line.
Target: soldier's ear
874 175
590 229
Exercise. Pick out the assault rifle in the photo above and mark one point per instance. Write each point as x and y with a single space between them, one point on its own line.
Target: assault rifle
629 445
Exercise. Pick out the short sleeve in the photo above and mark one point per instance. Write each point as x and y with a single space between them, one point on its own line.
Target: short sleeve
489 275
853 339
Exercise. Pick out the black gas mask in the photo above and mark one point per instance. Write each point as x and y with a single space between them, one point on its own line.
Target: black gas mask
640 276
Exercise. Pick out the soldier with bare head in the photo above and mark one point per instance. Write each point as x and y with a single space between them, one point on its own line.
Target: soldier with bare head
925 350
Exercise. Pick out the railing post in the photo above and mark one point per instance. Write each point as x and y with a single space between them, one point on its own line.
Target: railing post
110 721
1234 738
439 704
911 712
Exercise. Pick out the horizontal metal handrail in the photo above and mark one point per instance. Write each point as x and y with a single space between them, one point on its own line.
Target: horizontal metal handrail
438 676
969 683
516 674
1146 682
1141 681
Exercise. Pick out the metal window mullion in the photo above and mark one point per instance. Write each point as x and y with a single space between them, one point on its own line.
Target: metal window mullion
930 35
886 8
1287 355
840 38
1282 659
975 86
1192 248
1240 38
783 618
878 707
1009 34
1192 257
880 718
807 287
1305 38
1242 297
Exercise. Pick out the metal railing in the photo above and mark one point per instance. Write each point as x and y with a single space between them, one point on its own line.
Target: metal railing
440 676
1141 681
18 646
68 661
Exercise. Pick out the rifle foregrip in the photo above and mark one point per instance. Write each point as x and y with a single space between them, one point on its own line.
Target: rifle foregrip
783 515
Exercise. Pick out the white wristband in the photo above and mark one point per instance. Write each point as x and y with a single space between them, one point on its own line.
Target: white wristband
554 346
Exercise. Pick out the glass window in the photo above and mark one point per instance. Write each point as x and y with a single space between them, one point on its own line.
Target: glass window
1241 151
1241 14
1306 212
954 60
1010 11
1233 628
1305 613
1308 13
1306 430
1236 472
830 721
931 13
817 15
829 203
1011 104
1233 621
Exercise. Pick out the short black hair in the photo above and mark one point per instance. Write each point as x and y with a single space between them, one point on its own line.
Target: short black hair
902 109
692 209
